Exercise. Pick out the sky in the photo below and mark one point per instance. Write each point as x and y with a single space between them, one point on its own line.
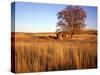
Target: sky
41 17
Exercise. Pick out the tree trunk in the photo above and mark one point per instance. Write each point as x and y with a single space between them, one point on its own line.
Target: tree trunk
72 34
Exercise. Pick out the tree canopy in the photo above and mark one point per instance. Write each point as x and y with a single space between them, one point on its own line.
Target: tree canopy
71 19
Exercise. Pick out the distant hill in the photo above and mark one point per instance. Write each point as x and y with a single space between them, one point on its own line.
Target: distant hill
89 31
84 31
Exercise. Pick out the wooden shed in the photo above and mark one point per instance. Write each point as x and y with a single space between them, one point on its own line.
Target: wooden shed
61 35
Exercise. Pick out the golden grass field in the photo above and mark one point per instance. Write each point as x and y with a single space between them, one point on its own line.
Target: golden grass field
38 52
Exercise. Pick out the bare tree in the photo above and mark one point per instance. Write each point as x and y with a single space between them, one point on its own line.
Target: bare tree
71 19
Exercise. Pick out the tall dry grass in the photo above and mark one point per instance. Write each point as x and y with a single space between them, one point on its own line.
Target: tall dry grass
33 56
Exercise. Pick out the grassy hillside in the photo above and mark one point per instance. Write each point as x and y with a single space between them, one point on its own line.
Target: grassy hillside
38 52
